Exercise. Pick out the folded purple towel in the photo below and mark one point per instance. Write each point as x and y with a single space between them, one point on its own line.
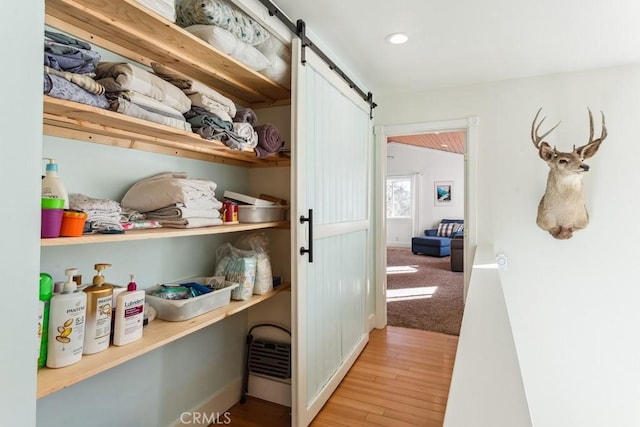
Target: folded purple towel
245 115
269 140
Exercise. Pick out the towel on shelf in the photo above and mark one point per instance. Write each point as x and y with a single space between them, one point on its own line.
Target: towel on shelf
171 188
199 117
65 53
121 77
120 104
269 140
191 87
103 215
227 137
191 222
246 131
176 212
61 88
83 80
210 105
246 115
152 105
164 8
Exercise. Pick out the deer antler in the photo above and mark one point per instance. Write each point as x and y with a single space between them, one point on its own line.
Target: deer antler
590 148
537 139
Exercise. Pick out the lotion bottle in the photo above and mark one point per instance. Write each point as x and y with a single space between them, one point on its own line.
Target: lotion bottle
129 315
52 185
99 301
66 324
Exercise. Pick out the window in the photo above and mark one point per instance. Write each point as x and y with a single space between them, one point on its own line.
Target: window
399 197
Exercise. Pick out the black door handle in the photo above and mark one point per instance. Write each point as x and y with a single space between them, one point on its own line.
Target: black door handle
304 250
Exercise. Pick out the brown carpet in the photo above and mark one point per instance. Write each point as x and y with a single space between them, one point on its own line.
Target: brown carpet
423 292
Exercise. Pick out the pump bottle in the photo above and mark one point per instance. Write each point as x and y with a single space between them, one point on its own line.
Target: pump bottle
98 328
66 324
46 292
52 186
129 315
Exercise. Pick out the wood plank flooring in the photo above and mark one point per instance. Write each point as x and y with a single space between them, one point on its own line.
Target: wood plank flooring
401 379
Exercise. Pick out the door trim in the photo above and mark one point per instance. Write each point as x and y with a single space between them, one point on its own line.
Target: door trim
382 132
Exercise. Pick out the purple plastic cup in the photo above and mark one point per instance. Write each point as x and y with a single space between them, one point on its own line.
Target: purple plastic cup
51 217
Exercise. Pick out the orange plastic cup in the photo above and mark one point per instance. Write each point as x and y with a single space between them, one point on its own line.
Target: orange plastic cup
72 223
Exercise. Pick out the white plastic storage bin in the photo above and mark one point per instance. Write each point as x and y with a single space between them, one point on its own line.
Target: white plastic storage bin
184 309
261 213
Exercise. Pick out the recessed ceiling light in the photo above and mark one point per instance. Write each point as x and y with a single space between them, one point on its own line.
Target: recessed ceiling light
397 38
443 145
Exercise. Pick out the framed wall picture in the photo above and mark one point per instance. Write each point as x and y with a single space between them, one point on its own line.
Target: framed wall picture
443 193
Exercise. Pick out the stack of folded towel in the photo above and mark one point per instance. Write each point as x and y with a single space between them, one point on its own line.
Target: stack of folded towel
136 92
164 8
103 215
175 200
211 112
69 68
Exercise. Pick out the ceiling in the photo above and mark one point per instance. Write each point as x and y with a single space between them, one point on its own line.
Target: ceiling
462 42
452 142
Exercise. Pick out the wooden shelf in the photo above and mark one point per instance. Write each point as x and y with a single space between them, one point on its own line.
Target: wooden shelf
155 335
68 119
159 233
130 30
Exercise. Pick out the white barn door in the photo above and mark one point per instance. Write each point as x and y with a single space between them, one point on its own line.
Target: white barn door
332 184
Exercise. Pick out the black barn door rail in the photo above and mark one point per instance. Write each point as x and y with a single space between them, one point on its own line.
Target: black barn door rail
299 29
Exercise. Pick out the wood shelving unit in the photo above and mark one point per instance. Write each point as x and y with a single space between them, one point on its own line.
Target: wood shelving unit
134 32
158 233
130 30
67 119
155 335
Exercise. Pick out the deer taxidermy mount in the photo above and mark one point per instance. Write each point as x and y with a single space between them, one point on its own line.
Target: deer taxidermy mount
562 209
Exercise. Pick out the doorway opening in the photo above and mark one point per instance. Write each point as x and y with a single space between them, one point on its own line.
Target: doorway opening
425 184
427 203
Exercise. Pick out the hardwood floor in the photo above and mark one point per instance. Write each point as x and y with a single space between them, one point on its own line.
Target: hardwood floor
401 378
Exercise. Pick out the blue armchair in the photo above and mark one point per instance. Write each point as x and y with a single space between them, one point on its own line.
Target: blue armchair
437 241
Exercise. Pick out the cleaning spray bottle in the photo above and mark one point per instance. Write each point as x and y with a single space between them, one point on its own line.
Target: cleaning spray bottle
98 327
52 186
66 324
129 314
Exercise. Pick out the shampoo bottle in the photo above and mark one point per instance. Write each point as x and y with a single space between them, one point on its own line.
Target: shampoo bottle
66 324
52 186
46 291
129 315
98 327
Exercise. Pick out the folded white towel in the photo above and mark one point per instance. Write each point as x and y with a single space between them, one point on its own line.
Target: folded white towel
174 212
191 222
168 189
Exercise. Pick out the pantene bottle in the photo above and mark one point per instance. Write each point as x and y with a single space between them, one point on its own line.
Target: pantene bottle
98 325
66 324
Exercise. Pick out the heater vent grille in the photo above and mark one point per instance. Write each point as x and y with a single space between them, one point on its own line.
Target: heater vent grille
270 358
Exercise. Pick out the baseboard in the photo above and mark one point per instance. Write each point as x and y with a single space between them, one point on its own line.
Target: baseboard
398 244
215 407
371 322
276 391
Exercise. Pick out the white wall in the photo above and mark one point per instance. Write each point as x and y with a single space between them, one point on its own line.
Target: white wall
431 166
572 304
20 137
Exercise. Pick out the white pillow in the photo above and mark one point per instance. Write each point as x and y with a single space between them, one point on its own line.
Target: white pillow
226 42
217 37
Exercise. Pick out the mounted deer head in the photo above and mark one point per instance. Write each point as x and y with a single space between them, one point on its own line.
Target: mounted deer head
562 209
